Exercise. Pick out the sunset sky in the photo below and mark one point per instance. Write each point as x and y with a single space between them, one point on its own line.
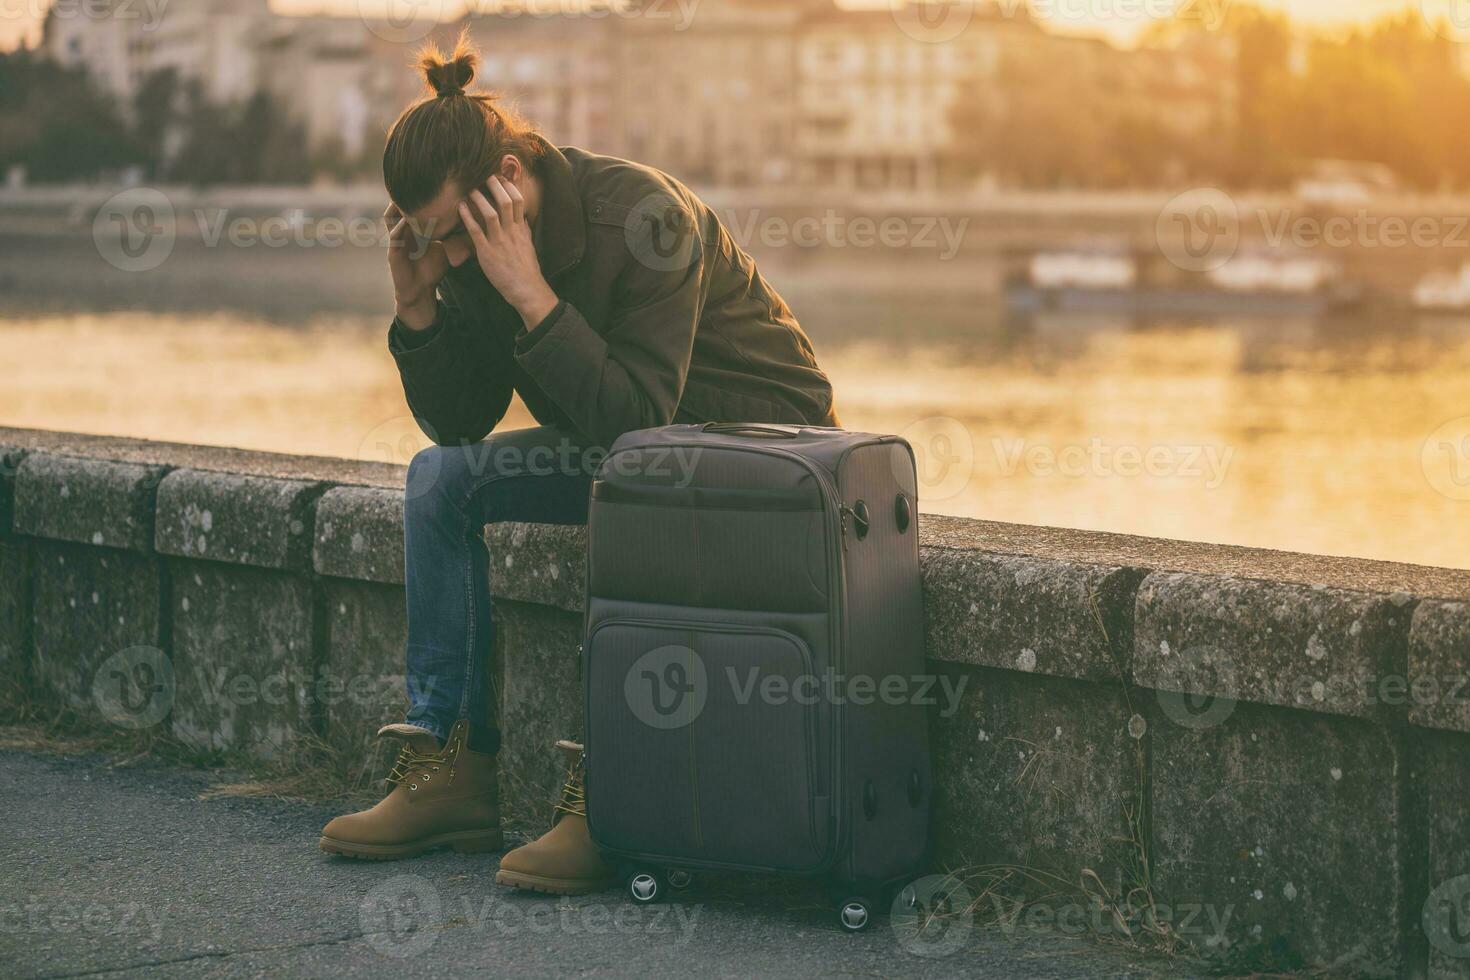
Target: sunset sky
1118 18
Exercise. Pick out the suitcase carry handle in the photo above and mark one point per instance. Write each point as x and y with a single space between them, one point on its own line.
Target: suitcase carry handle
749 429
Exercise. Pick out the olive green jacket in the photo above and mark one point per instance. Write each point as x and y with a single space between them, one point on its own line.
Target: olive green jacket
663 318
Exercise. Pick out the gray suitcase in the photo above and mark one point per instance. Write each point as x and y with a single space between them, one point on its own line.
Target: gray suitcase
753 656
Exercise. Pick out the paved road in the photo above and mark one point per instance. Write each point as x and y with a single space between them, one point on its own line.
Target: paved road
127 872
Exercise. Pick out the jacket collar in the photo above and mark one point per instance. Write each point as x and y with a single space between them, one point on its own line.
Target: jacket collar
561 227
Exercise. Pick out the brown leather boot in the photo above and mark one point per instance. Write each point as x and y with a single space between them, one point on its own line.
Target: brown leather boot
438 798
562 861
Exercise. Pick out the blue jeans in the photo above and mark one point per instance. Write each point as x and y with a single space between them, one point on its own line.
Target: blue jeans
539 475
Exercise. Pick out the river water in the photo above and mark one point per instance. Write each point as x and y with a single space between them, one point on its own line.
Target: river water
1330 436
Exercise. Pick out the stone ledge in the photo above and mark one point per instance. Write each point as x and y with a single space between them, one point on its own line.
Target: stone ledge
88 501
1163 555
1437 689
215 459
1297 646
244 520
1320 834
359 534
539 563
1036 615
1010 597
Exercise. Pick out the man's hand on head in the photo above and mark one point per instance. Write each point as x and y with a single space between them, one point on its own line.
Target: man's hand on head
496 222
416 268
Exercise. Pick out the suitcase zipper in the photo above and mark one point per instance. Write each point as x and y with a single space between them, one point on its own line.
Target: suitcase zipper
845 512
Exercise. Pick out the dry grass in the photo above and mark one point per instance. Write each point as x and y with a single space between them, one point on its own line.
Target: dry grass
311 771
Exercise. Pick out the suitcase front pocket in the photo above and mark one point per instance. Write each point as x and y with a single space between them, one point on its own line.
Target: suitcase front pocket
710 547
701 744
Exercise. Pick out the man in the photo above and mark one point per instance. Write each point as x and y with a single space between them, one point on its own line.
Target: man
610 298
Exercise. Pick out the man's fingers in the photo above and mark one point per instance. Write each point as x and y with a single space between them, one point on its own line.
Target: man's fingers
518 203
399 242
472 226
505 205
487 212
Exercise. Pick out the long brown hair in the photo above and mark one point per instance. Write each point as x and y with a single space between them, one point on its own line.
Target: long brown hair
452 135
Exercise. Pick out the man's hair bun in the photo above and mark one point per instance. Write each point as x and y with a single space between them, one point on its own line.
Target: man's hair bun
449 74
452 137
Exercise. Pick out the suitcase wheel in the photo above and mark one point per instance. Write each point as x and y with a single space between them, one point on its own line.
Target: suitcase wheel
853 914
679 879
644 887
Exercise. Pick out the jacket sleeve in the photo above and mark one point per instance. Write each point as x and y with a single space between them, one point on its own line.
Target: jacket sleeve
631 377
458 382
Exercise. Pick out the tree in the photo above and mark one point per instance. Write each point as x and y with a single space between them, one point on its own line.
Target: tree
1065 123
56 124
274 148
155 120
1266 91
1392 92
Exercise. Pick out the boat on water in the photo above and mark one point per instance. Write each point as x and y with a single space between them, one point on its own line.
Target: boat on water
1443 291
1265 283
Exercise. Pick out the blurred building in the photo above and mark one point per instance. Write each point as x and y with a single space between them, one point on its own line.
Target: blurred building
875 101
559 72
713 102
120 43
743 93
343 83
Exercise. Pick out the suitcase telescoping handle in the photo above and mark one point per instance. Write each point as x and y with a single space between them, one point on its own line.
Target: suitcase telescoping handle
750 429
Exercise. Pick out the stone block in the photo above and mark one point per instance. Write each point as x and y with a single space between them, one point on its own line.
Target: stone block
244 661
540 700
540 563
1441 787
360 680
1301 646
246 520
1036 615
359 534
89 605
1035 773
1286 826
10 458
1438 686
15 620
88 501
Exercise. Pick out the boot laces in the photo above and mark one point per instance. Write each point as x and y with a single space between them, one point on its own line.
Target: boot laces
573 794
414 767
